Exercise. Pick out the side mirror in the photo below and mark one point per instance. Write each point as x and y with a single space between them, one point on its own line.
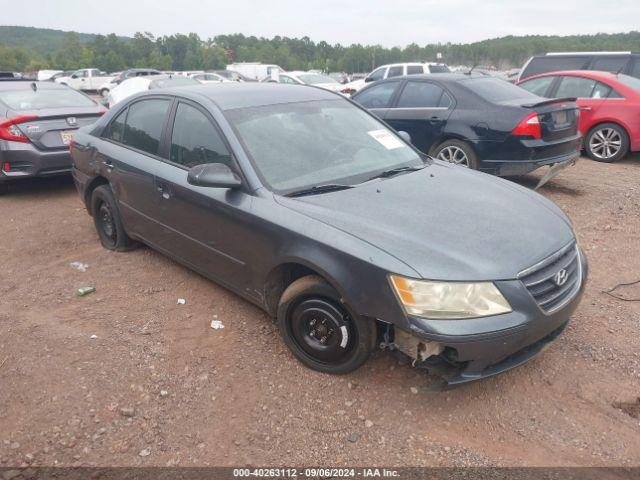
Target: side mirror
367 79
74 76
405 136
216 175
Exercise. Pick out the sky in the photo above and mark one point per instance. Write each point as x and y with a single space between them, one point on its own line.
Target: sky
384 22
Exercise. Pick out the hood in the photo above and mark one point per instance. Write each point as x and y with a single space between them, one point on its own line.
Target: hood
446 222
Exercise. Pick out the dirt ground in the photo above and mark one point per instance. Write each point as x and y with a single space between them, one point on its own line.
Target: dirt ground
158 386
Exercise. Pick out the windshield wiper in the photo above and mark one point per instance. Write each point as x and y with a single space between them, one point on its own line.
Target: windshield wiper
328 187
394 171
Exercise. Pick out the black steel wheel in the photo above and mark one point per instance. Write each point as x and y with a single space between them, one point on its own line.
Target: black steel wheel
106 219
320 330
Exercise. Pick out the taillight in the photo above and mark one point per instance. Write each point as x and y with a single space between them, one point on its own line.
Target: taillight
72 144
348 91
9 129
529 127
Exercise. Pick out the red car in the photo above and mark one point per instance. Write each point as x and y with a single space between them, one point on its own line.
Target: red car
609 108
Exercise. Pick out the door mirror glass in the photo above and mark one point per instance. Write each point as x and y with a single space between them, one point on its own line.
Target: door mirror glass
216 175
405 136
74 76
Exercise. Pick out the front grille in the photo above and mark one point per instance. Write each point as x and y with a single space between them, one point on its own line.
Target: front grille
551 289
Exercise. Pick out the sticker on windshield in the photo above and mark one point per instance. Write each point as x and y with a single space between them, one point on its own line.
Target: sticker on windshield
386 139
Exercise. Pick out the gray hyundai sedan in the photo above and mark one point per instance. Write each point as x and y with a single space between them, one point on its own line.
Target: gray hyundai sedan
308 206
37 123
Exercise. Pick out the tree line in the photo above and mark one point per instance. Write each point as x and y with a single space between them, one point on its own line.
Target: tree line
190 52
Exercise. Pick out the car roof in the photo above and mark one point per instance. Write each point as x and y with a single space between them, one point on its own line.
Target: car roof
26 84
232 95
440 77
593 74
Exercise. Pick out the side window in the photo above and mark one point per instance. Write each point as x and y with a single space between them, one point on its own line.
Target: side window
195 140
601 91
377 75
609 64
575 87
420 95
95 73
378 96
538 86
415 69
395 71
115 130
144 124
79 74
445 101
554 63
285 79
635 70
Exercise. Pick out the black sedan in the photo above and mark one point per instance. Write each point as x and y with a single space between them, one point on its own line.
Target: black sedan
478 121
310 207
37 123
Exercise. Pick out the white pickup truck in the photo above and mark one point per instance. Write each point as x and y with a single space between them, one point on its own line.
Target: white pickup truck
85 79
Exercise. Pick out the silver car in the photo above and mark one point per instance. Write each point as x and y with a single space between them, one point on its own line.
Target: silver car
37 124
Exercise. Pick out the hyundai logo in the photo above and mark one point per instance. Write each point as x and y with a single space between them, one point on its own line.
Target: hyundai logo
561 277
72 121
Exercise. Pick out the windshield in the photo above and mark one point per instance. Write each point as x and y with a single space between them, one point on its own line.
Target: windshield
497 90
27 99
299 145
315 78
631 82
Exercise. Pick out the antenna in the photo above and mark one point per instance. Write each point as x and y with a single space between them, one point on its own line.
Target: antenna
469 72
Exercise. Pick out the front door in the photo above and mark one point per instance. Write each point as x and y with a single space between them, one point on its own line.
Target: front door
207 228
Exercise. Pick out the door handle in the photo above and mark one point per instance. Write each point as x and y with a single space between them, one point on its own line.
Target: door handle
164 191
434 119
586 108
108 164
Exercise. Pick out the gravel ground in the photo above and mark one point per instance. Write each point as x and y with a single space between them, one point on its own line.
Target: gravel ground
127 377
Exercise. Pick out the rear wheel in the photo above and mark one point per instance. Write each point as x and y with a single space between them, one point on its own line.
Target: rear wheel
320 330
456 152
104 93
607 142
108 223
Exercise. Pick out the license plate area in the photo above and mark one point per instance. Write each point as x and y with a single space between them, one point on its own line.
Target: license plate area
67 136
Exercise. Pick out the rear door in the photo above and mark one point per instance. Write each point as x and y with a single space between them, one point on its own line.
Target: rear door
590 95
421 109
207 228
128 156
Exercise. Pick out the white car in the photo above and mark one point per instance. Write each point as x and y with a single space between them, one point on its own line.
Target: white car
307 78
208 77
140 84
85 79
394 70
47 74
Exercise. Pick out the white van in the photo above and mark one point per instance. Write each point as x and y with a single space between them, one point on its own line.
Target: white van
395 70
255 70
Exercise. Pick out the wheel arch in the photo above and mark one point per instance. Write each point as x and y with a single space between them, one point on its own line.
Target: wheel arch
91 186
284 274
450 136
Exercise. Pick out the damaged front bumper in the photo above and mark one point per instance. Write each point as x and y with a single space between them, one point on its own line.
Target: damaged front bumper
463 351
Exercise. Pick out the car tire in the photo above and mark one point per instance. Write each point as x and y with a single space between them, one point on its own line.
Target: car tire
320 330
104 92
603 139
108 223
458 152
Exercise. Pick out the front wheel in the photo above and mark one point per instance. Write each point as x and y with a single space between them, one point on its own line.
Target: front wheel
607 143
108 223
104 93
320 331
456 152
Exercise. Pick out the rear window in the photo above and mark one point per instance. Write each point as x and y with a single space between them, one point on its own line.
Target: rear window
439 69
495 90
610 64
314 78
632 82
27 99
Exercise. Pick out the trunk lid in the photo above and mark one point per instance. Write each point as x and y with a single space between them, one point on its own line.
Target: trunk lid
53 128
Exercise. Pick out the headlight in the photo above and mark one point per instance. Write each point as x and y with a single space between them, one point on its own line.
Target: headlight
449 300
